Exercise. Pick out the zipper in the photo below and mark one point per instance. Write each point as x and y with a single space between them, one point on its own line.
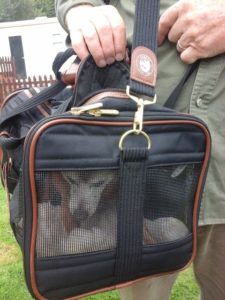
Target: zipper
105 94
119 92
95 110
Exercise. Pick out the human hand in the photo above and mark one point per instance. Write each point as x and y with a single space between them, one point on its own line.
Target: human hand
99 31
196 26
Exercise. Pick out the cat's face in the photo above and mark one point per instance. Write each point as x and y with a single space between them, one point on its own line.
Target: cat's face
86 191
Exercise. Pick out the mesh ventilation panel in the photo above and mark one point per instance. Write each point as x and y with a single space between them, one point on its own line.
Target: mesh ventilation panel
76 212
168 206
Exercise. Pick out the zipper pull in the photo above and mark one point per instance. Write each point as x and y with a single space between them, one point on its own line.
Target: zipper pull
101 112
76 111
93 110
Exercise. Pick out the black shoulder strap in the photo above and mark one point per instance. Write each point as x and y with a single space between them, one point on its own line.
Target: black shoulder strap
172 99
143 59
46 93
36 100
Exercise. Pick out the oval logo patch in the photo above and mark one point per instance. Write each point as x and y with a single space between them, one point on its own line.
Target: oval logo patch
144 64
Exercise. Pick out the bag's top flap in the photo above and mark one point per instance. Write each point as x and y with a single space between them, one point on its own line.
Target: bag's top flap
91 78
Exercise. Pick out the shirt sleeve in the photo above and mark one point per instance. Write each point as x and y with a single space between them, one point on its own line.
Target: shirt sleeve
63 6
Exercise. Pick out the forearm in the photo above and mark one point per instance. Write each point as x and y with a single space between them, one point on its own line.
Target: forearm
63 6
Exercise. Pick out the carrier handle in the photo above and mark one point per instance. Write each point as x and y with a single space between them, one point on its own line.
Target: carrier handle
45 94
60 59
9 142
37 100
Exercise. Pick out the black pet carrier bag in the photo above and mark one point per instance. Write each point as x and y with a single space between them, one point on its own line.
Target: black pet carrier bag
105 190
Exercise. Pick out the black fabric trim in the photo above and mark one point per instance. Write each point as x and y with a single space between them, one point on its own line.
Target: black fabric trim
130 213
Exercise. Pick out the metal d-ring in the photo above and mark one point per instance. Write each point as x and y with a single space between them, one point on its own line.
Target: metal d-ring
137 132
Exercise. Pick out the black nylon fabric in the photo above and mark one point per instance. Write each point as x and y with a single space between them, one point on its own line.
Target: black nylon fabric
75 143
66 277
130 213
36 100
146 24
60 59
105 140
18 121
93 79
18 127
145 34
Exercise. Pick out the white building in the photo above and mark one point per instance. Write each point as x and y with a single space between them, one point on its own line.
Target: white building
33 44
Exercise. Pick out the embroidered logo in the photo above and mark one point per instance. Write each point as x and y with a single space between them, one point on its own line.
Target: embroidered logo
144 65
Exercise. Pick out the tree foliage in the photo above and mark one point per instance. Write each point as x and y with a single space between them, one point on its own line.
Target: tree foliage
14 10
45 7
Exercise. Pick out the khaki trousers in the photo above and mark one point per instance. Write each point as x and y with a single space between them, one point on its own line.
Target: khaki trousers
209 269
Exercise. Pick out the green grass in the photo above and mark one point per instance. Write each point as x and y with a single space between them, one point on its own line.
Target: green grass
12 284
